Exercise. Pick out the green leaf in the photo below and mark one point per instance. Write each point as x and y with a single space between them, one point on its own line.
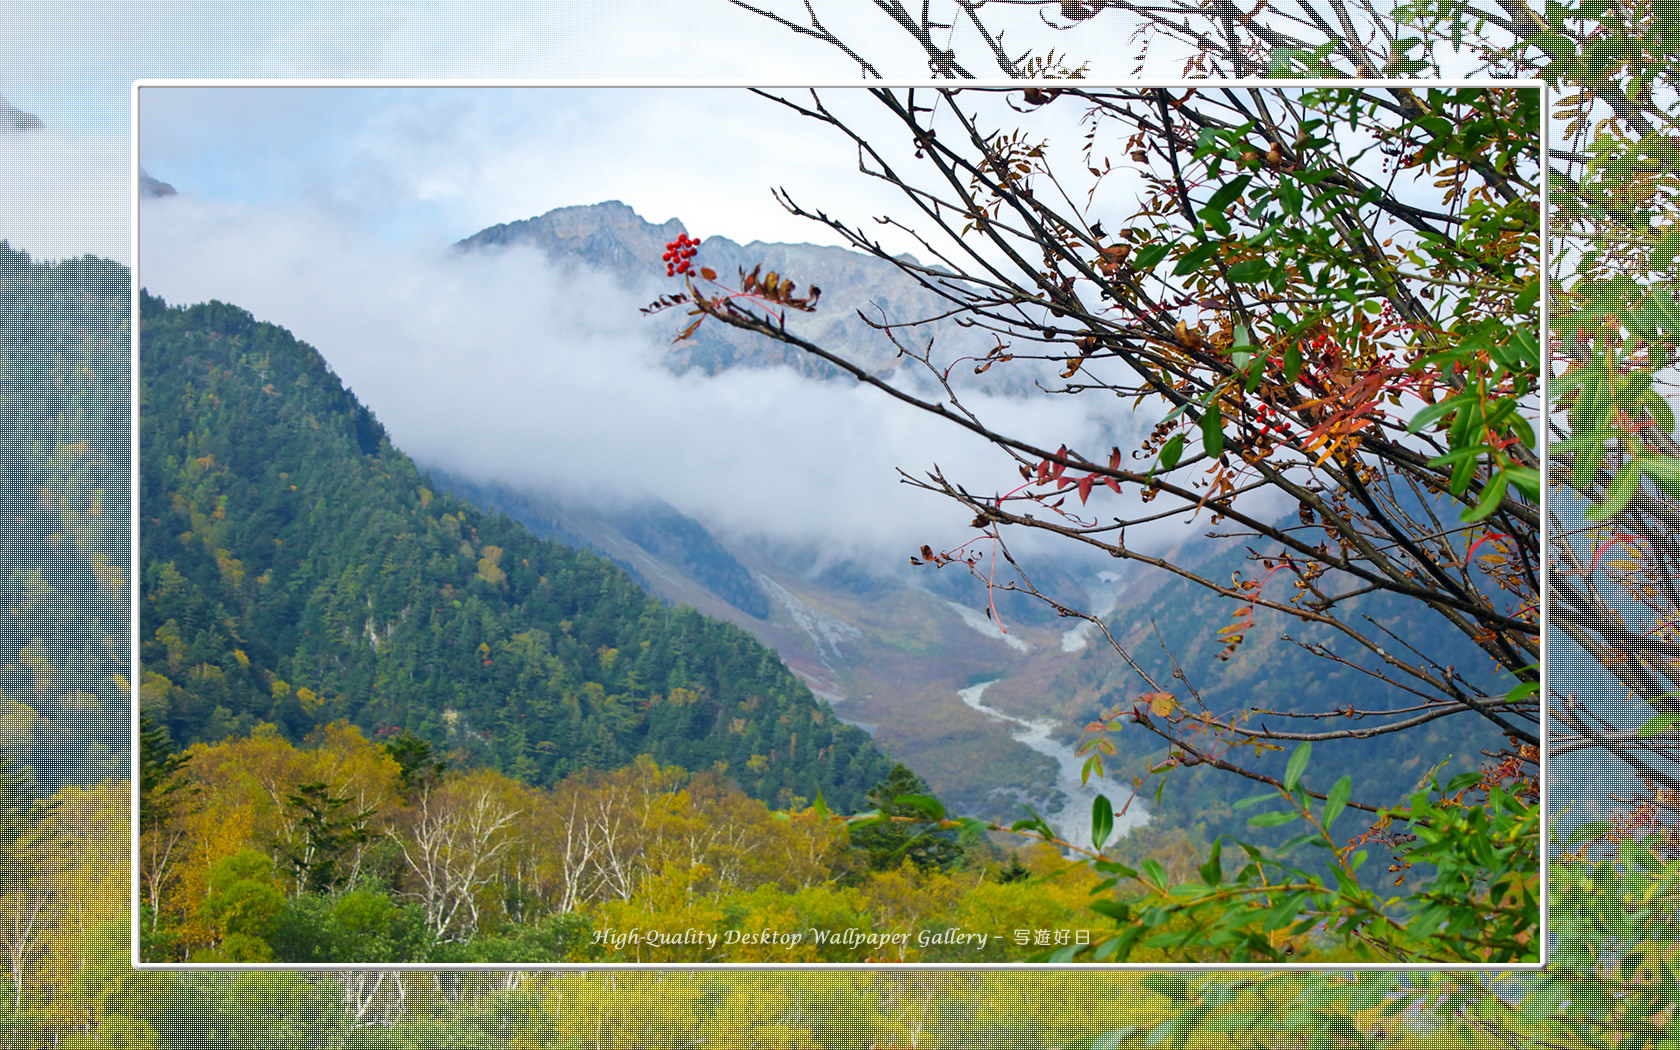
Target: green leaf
1033 822
1150 254
1172 450
1462 472
1272 820
1660 411
1662 255
1525 480
1592 829
1492 495
925 804
1210 872
1461 782
1587 463
1664 470
1102 820
1522 691
1525 299
1618 495
1292 363
1297 765
1659 724
1459 455
1226 194
1337 799
1213 432
1289 195
1249 270
1191 260
1300 840
1431 414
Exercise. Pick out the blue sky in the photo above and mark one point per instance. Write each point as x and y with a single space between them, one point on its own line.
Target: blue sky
442 163
72 63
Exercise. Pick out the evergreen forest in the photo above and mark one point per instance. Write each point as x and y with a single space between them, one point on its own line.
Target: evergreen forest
297 570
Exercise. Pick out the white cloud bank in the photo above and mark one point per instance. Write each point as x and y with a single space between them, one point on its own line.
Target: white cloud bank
65 194
500 366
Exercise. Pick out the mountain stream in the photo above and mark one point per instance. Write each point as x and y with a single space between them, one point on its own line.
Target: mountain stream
1071 820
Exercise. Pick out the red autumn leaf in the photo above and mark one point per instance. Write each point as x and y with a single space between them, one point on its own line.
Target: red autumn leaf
1471 553
708 273
1085 487
1620 537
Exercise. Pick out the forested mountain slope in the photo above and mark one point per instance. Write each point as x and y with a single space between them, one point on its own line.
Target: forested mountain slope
297 570
64 535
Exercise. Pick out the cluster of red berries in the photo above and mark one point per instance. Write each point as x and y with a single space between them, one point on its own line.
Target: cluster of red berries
678 253
1272 422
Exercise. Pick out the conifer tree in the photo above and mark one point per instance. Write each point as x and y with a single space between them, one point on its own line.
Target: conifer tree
903 798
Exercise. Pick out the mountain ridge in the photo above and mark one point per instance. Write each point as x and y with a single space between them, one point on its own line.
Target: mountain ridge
612 236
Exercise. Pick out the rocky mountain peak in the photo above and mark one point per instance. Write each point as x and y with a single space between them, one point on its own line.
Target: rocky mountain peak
150 187
613 237
15 119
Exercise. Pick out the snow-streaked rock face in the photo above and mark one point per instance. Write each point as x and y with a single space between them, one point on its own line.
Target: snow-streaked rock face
611 236
987 626
827 633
